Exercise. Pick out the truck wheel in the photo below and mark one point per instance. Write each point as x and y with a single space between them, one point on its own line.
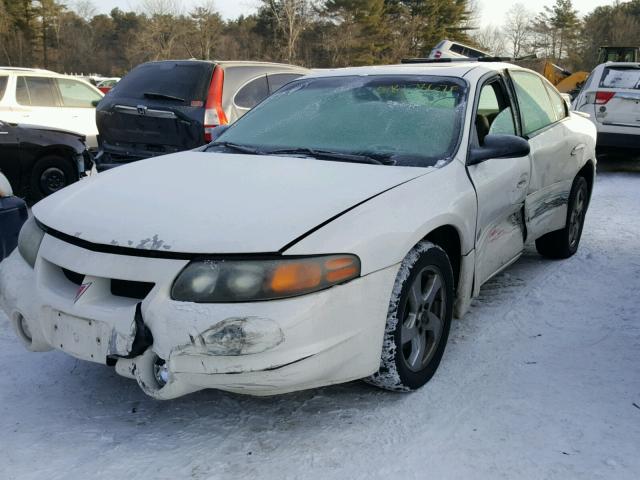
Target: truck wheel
50 174
564 243
418 320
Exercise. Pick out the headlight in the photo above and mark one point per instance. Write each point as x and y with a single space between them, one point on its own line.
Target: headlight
29 241
224 281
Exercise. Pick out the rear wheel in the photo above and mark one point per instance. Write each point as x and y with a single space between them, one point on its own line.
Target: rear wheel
418 320
50 174
564 243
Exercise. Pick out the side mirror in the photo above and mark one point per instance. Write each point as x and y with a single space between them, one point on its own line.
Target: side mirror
217 131
499 146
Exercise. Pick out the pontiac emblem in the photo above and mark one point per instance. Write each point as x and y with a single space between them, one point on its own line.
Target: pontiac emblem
83 288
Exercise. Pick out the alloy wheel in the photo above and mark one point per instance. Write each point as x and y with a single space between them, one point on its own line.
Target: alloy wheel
423 320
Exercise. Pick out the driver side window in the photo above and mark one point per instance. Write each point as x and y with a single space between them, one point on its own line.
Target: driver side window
494 115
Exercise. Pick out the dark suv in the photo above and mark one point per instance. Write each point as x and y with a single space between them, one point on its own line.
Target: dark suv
169 106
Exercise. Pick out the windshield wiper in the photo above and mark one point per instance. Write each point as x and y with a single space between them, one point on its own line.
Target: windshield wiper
162 96
237 147
331 155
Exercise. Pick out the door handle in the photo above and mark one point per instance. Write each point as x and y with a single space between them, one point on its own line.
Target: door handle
577 149
523 182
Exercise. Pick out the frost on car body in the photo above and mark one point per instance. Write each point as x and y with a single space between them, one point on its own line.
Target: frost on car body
278 266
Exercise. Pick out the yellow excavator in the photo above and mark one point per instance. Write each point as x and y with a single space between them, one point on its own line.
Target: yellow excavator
565 81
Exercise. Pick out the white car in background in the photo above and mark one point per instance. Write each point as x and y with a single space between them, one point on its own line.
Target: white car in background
40 97
327 235
449 49
611 96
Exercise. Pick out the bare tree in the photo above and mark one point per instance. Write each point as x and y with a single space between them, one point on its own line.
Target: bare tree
208 27
85 9
291 18
518 29
489 39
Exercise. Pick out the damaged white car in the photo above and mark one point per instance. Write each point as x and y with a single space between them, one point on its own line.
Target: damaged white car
328 235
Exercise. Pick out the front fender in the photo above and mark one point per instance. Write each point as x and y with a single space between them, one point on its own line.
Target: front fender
384 229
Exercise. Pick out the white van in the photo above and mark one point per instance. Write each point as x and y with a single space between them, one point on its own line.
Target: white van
41 97
449 49
611 96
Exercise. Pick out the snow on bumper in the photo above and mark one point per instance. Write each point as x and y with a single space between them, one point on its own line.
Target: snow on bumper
69 302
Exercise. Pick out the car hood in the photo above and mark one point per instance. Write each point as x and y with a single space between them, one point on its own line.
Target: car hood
202 202
40 128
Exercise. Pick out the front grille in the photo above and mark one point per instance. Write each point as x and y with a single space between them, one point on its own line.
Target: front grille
130 289
119 288
73 277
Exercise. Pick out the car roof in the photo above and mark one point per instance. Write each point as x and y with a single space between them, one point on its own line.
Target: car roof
620 64
25 70
235 63
449 69
36 71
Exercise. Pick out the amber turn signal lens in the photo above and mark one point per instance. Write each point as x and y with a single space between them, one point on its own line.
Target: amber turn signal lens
295 277
340 269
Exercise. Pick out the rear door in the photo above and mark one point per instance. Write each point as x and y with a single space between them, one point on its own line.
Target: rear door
553 144
38 102
622 87
157 108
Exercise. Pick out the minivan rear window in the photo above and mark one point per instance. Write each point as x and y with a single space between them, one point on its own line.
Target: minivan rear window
625 77
186 81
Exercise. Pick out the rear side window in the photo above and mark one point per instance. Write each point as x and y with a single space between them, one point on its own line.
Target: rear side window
181 83
276 80
459 49
614 77
3 86
467 52
533 99
252 93
37 92
76 93
557 102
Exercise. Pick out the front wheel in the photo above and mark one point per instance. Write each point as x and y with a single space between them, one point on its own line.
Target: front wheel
50 174
418 320
564 243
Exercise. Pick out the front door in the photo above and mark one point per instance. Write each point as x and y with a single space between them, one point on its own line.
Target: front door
501 185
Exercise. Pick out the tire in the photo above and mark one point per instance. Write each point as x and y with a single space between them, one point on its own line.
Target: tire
50 174
410 320
564 243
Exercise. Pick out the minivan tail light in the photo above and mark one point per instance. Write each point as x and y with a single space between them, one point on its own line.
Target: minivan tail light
604 97
213 113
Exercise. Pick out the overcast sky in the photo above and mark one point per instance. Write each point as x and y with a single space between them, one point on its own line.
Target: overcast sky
492 11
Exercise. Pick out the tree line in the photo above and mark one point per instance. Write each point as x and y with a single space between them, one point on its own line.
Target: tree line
316 33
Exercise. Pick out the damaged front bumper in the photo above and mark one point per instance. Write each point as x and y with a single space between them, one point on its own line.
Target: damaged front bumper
92 306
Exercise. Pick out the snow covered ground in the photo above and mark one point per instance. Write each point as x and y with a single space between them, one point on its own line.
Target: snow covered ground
541 380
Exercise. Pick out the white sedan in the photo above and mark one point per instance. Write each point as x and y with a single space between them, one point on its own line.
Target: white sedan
328 235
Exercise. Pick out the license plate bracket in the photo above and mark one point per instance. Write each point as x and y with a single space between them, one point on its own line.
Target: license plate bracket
80 337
